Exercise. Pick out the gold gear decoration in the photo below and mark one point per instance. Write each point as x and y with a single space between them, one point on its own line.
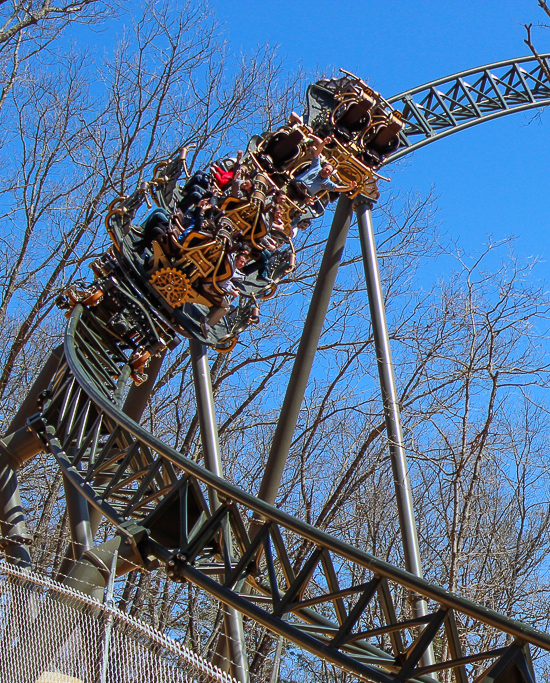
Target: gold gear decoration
172 284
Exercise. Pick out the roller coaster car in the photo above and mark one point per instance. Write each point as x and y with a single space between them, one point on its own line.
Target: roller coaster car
182 274
120 311
187 274
349 110
340 106
174 285
352 114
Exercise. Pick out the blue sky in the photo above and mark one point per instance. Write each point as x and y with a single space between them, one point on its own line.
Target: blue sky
491 179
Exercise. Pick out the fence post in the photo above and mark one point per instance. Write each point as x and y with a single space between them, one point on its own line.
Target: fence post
109 604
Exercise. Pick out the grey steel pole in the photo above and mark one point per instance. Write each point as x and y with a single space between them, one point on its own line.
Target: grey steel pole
82 538
109 602
16 538
390 401
138 395
29 405
19 445
15 449
207 413
307 348
233 621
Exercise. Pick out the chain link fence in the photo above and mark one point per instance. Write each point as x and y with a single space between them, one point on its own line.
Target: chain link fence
52 634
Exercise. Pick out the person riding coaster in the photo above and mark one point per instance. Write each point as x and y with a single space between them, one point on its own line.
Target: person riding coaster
222 293
255 203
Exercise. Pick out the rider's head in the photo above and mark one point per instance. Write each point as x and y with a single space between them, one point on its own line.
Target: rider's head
241 259
327 170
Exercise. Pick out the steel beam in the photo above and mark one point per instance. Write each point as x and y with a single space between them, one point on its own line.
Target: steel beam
233 621
445 106
138 395
307 348
30 403
240 503
134 406
390 400
82 538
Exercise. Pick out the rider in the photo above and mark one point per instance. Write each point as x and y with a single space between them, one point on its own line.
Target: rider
217 312
316 177
197 187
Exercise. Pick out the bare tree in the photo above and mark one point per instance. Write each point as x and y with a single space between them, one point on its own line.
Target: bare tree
469 350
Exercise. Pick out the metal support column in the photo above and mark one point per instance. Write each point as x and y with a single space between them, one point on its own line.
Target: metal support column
307 348
15 450
29 406
390 400
15 537
233 620
20 445
82 538
138 395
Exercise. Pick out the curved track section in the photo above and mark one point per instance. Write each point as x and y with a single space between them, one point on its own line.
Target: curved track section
437 109
334 600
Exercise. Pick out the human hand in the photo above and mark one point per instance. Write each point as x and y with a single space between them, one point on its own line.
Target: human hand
239 155
327 139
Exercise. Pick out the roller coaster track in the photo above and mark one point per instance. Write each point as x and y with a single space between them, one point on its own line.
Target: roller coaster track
82 425
437 109
335 601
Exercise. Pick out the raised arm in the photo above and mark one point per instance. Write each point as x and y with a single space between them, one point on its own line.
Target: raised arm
319 145
345 188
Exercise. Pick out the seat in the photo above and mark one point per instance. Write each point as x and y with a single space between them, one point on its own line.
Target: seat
284 149
383 135
352 118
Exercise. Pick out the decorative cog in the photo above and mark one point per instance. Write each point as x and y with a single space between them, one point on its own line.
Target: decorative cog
172 284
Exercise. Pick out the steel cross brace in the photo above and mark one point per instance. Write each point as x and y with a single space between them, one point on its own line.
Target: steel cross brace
450 104
328 559
287 591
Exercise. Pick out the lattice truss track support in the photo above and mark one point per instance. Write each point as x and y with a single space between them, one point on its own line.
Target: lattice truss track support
445 106
335 601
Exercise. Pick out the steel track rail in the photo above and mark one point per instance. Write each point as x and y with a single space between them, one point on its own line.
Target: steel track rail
445 106
359 626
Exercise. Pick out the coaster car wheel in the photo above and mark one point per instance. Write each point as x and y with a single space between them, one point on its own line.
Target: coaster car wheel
269 293
230 345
